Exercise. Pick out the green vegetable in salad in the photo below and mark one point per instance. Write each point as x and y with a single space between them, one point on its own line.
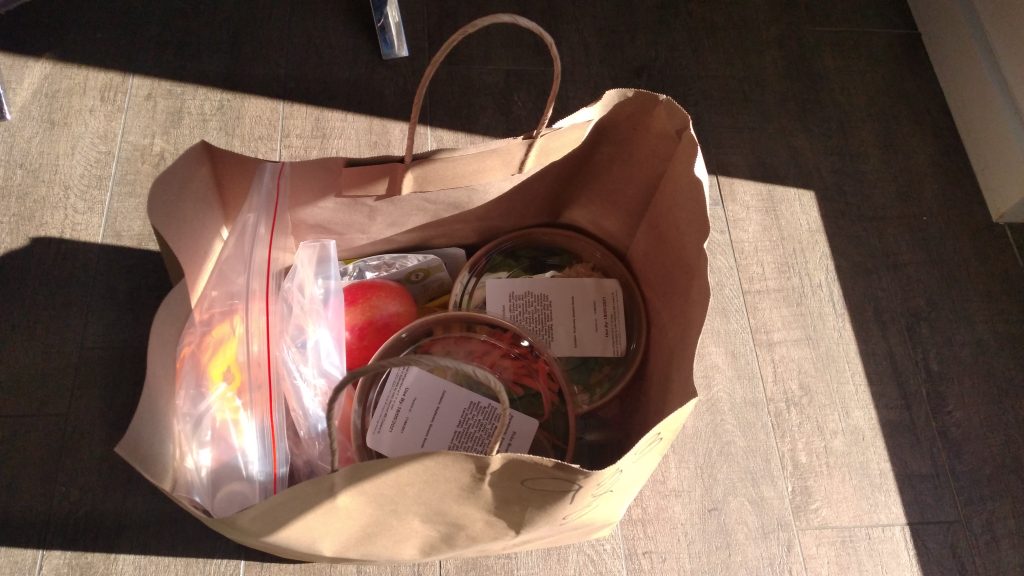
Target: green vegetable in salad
592 379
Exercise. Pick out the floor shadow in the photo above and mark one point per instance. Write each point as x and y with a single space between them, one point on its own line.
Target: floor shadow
318 53
313 53
72 363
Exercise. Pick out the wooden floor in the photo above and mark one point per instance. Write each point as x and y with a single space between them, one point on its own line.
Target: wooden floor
862 366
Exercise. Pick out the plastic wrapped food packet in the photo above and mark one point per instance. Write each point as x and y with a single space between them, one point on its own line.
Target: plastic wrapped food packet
423 275
312 353
229 415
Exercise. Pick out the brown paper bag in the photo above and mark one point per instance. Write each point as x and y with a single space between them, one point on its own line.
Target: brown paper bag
626 169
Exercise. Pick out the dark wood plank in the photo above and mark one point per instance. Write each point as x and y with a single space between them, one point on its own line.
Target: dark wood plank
42 283
928 550
888 15
505 104
107 518
1016 234
26 489
342 98
490 47
55 165
975 393
669 50
128 288
235 45
342 121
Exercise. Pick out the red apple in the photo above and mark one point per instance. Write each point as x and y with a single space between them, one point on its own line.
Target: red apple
374 311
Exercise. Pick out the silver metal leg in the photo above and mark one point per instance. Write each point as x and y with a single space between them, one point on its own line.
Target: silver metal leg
5 112
390 32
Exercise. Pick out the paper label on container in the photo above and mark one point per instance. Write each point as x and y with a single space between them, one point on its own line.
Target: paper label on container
574 317
420 412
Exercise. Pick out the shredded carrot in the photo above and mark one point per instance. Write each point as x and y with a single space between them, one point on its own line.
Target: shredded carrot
518 366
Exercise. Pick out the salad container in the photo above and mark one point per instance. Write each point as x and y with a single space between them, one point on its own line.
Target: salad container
532 377
557 252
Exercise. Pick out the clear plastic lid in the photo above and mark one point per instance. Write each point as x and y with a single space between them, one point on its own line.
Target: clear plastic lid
560 253
531 376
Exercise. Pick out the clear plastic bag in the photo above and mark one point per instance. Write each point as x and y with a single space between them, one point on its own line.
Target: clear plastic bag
312 354
230 416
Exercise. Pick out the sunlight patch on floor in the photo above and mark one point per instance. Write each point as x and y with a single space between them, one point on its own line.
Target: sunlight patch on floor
826 413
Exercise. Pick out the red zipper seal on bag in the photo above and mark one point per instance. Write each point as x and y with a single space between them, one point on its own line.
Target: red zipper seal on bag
270 375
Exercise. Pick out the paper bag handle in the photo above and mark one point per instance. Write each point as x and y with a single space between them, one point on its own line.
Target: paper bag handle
426 363
417 102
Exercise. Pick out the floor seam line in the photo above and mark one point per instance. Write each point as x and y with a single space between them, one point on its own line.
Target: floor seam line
39 562
890 525
869 30
949 476
471 67
280 128
1013 244
622 549
117 157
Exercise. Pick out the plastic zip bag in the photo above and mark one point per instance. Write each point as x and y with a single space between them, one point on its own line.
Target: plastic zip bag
230 415
312 354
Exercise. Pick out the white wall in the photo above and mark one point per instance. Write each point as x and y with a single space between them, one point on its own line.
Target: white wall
977 50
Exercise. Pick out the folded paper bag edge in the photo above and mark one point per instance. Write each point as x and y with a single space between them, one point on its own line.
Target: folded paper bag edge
193 202
152 418
187 213
596 506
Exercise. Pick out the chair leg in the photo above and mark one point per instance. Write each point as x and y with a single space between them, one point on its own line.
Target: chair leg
5 111
390 32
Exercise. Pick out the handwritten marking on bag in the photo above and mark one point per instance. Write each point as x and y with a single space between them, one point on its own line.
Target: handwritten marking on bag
552 484
573 516
613 478
647 447
601 489
598 492
604 487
